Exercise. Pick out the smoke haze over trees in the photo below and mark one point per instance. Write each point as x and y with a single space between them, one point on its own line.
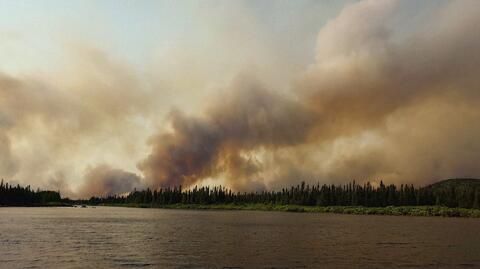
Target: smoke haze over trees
376 107
386 96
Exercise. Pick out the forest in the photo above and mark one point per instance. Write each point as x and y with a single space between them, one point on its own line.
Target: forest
464 193
453 193
16 195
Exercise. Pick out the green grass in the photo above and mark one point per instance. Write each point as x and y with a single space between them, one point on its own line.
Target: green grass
353 210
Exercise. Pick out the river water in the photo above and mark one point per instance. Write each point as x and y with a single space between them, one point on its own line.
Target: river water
108 237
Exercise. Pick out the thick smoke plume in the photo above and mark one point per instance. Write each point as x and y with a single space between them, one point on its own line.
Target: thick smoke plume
371 106
104 181
249 118
49 126
378 101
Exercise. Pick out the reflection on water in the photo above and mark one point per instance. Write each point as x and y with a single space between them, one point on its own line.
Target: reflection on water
106 237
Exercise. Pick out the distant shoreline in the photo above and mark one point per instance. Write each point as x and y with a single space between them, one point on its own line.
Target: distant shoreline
447 198
425 211
415 211
51 204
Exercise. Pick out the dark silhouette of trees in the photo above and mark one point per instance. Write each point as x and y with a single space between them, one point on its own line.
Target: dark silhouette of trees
450 193
476 199
351 194
24 196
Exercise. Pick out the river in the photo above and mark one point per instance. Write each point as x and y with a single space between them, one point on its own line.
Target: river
112 237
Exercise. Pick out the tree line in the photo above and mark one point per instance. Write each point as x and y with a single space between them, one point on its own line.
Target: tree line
16 195
351 194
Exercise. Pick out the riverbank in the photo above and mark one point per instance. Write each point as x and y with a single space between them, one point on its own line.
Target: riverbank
353 210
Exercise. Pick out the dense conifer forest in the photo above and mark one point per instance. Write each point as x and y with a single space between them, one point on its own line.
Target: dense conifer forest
462 193
352 194
24 196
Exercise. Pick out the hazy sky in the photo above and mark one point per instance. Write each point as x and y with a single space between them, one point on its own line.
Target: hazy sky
252 94
142 32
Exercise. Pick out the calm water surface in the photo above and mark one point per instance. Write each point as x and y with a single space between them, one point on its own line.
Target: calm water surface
106 237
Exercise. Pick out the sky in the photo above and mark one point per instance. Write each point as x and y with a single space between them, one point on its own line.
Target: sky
99 97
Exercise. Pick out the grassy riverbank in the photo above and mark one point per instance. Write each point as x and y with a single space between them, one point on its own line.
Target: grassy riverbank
354 210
